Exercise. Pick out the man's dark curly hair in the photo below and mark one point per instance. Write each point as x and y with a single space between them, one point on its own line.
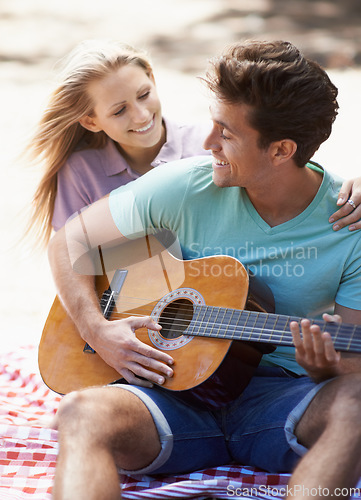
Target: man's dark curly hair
290 96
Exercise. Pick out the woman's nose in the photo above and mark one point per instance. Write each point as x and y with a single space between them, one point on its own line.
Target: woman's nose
140 114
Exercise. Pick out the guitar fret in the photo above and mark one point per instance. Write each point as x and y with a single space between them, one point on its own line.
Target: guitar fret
229 323
274 327
206 330
283 327
351 338
236 319
265 319
211 321
195 321
221 321
252 324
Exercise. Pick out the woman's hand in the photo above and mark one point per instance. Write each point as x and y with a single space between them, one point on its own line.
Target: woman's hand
117 345
350 212
314 350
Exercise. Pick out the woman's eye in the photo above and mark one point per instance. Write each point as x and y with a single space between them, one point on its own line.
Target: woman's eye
120 111
145 95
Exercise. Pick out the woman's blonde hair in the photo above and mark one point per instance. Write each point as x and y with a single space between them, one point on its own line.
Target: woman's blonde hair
59 132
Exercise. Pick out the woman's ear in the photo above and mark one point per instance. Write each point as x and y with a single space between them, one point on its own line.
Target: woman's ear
283 151
89 123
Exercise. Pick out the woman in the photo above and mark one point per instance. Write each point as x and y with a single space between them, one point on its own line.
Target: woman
103 128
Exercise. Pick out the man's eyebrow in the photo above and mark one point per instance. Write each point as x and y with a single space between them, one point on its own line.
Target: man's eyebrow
224 125
220 123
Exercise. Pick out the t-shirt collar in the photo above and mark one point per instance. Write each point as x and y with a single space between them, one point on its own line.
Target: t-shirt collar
171 150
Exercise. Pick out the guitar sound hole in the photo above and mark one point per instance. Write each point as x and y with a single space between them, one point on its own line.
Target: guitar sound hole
175 318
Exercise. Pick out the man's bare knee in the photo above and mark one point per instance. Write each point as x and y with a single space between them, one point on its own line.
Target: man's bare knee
338 404
112 418
346 406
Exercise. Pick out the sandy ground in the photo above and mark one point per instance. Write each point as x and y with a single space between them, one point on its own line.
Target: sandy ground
34 34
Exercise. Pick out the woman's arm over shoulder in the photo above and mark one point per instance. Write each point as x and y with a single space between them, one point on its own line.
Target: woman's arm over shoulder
349 199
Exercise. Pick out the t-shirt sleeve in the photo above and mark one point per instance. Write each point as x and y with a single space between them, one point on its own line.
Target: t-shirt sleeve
69 197
349 292
152 202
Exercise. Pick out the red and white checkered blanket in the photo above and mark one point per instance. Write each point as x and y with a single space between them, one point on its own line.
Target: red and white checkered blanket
28 451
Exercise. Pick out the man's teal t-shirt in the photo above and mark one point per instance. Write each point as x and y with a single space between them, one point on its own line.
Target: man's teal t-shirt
307 265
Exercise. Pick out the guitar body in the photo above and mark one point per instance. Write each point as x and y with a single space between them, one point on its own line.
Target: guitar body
168 289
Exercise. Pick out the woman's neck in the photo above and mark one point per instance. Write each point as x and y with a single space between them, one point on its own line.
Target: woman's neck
140 159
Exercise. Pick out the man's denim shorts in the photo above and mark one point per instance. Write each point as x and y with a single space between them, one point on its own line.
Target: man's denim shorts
256 429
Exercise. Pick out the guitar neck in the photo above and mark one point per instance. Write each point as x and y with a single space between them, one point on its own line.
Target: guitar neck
233 324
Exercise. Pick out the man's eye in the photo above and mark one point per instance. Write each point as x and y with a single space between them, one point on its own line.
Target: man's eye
224 136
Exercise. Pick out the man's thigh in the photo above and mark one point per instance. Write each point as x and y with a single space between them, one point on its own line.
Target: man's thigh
261 424
338 401
191 437
112 419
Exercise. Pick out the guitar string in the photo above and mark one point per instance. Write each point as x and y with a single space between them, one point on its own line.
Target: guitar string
264 316
260 315
177 307
339 337
276 335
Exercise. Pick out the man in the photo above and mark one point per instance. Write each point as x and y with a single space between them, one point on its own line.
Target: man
258 200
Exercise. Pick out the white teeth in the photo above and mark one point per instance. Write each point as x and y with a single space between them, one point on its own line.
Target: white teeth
147 127
222 162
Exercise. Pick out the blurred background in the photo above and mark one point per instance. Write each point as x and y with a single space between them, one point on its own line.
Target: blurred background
180 35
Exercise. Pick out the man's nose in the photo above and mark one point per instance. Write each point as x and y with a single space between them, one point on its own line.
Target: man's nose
210 142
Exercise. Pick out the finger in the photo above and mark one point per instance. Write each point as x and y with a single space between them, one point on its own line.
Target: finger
150 353
331 354
318 345
352 219
307 339
141 347
332 318
345 192
149 363
153 376
354 226
296 335
143 322
345 211
132 379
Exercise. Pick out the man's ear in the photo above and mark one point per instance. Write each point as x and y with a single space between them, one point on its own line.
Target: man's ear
283 151
89 123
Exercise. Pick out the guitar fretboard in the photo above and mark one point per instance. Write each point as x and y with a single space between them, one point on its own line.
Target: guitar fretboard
232 324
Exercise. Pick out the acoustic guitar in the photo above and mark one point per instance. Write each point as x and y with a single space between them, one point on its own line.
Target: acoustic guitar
203 306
